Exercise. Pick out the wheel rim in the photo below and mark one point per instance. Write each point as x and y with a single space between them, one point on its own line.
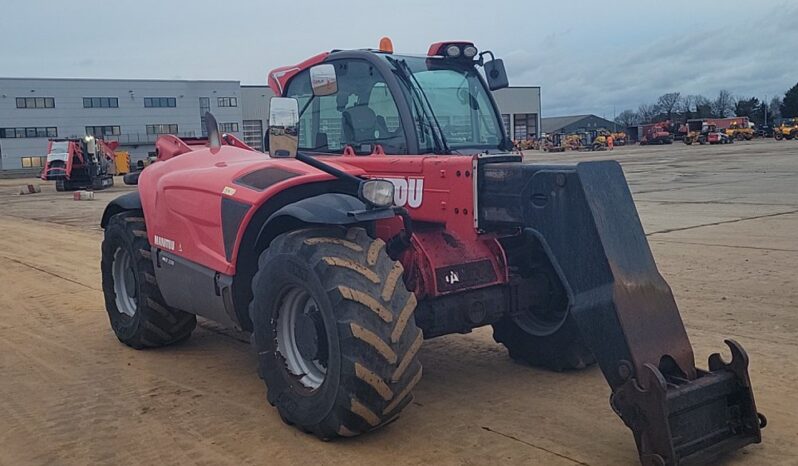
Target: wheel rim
125 286
302 337
547 317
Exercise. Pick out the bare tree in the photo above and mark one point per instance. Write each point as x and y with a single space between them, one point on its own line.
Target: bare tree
686 106
648 113
668 103
723 105
627 118
703 107
775 107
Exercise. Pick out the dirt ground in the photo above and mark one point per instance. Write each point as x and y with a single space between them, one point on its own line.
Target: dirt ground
723 224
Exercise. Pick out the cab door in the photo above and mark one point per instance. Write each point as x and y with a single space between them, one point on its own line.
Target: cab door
361 118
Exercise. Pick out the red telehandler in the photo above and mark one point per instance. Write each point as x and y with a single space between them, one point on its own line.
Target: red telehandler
390 209
80 163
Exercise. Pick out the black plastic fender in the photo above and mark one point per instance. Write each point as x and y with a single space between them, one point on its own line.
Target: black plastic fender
324 209
129 201
131 178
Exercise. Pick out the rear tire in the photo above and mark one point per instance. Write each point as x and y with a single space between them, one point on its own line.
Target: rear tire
334 330
139 316
59 186
778 136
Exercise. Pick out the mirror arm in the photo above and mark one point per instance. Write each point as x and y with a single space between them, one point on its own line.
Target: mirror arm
315 163
481 61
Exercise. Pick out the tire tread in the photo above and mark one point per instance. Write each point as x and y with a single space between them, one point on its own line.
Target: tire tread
379 340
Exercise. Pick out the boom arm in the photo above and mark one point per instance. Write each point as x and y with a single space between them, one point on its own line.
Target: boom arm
585 219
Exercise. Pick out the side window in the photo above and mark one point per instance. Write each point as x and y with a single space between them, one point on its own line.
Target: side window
361 114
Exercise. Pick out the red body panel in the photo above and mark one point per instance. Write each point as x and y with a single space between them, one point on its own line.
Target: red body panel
438 47
279 77
181 197
437 191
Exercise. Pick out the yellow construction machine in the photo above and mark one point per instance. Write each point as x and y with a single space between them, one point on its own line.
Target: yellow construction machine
788 129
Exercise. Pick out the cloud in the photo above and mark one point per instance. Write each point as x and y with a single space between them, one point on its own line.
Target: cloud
586 58
745 60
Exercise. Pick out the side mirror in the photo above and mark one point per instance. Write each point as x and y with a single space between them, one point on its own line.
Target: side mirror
283 127
496 75
323 80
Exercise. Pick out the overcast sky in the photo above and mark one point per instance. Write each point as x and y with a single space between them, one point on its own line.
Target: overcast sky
588 57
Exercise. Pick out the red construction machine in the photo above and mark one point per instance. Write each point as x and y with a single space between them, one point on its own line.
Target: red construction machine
389 210
657 133
80 163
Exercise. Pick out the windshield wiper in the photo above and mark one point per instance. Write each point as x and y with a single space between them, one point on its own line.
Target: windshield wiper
405 74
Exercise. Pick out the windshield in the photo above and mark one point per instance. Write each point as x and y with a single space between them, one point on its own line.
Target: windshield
451 96
59 147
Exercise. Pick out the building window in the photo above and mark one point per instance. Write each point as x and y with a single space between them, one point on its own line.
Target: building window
253 134
229 127
525 125
100 102
101 131
227 101
162 129
37 132
33 162
158 102
35 102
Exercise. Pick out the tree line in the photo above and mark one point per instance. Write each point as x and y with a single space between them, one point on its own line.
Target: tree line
676 107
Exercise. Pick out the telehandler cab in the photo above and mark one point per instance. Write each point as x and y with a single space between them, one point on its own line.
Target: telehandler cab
390 209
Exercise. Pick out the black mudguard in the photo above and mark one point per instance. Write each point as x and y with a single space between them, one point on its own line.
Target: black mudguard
324 209
129 201
586 221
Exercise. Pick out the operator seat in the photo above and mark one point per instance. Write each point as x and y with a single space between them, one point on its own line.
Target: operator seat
359 125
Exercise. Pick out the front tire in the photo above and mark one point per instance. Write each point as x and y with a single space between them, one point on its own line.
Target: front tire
334 330
139 316
561 351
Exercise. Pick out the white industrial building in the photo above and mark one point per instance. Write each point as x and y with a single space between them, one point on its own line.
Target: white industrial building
136 112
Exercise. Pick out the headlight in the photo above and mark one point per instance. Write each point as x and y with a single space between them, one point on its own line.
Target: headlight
378 193
469 51
453 51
